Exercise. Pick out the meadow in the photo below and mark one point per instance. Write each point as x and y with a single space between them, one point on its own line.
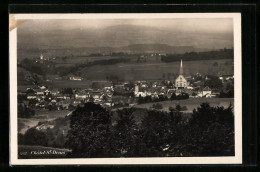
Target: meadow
191 103
157 71
71 84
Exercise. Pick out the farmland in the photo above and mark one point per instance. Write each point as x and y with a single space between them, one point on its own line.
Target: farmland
71 84
150 71
139 71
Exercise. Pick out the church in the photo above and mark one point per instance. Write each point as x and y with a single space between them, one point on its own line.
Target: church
180 81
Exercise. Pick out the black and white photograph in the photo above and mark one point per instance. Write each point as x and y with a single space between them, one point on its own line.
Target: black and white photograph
125 88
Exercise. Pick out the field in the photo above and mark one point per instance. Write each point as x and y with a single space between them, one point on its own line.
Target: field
30 152
155 71
40 116
71 84
191 103
139 71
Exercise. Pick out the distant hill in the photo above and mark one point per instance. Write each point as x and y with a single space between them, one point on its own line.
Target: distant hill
28 77
33 40
158 48
34 52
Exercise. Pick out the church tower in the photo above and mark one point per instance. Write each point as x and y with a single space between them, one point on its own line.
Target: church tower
181 82
181 70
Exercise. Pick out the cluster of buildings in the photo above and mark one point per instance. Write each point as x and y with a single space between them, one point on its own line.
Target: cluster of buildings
109 94
193 87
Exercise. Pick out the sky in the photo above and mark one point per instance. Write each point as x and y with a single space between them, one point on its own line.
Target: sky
189 25
209 33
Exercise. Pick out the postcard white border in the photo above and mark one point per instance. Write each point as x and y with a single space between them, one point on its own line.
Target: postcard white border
237 159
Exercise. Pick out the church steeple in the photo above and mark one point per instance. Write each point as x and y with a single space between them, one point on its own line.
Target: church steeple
181 70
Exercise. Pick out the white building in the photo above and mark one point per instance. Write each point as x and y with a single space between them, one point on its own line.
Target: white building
206 92
138 92
74 78
181 82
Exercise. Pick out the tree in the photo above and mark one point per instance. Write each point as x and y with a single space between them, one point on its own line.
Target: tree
178 107
25 112
91 99
30 91
213 82
173 97
156 134
35 137
104 98
89 131
211 131
125 134
157 106
68 91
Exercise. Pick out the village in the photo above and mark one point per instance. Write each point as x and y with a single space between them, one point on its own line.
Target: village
126 93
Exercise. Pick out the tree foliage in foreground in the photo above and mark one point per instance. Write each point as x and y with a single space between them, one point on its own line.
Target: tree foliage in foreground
89 131
208 132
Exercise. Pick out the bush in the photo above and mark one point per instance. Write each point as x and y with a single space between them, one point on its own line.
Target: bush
181 96
25 112
157 106
34 137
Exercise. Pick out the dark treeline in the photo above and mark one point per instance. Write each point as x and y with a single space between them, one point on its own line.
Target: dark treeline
105 62
50 68
191 56
111 54
25 112
95 133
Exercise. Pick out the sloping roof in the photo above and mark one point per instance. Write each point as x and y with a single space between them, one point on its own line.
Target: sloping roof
31 94
206 88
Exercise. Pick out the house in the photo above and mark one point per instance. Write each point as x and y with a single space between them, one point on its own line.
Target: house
144 85
31 96
81 95
59 96
42 105
140 91
67 97
221 78
97 97
155 84
54 92
109 104
74 78
108 86
206 92
199 94
64 104
39 93
76 102
53 101
46 92
42 87
190 87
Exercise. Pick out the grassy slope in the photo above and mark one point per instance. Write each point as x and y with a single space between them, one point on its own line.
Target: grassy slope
191 103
